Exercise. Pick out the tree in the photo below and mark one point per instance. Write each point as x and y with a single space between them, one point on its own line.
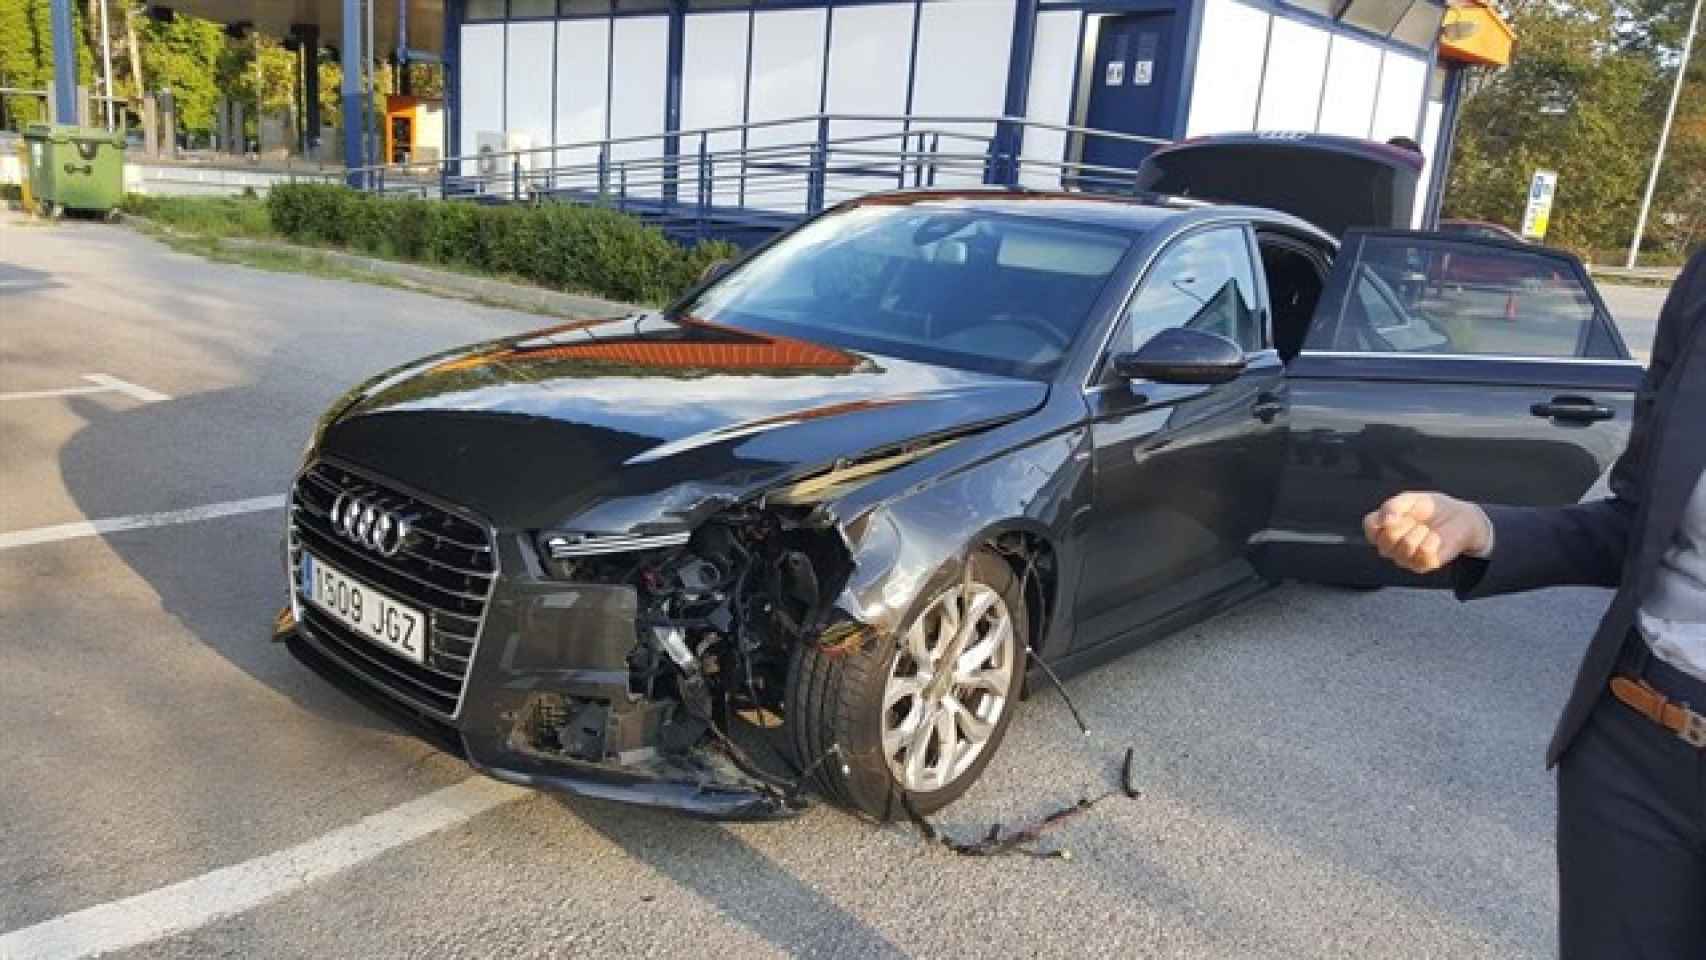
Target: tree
1679 220
1584 96
183 56
26 55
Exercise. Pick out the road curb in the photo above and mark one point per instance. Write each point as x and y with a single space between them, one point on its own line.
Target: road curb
444 283
1636 276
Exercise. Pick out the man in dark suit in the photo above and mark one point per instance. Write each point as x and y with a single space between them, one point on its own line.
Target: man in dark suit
1631 745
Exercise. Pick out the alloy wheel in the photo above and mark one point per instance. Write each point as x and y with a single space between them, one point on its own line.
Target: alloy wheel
948 687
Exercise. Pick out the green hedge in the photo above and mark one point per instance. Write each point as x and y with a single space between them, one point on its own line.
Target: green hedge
581 249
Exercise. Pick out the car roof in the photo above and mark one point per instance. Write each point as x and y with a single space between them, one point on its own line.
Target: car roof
1136 213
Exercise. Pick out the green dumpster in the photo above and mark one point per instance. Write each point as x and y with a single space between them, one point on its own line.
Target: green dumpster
75 168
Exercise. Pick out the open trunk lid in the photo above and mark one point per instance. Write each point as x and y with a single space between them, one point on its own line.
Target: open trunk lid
1333 182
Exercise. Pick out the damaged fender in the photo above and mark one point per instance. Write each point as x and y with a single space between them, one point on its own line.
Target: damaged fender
910 532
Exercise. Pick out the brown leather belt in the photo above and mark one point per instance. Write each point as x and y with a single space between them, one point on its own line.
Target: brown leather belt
1655 706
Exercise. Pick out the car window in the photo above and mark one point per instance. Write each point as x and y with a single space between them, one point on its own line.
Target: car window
1204 281
1427 294
967 288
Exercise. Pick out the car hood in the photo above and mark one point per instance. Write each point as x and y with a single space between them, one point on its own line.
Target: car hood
646 423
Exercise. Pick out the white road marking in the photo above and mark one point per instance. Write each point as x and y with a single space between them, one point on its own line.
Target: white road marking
97 528
201 900
103 383
46 394
137 393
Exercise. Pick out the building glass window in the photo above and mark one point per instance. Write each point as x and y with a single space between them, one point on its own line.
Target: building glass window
483 10
1437 79
642 6
1376 16
1420 24
718 4
1324 8
581 8
520 9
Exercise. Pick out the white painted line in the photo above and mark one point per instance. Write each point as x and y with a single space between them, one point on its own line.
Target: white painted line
103 383
201 900
139 394
45 394
97 528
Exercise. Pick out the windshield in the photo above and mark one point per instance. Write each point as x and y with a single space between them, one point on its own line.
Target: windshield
975 290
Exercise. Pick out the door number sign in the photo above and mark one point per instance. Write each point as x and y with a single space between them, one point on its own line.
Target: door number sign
1142 73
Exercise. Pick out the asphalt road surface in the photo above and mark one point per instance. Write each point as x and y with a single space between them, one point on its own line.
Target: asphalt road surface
1324 773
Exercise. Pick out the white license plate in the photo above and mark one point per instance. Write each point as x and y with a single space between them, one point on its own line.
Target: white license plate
395 626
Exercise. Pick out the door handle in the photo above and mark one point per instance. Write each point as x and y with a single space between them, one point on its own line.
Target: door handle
1573 408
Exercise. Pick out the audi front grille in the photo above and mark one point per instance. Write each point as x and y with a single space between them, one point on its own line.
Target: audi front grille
445 568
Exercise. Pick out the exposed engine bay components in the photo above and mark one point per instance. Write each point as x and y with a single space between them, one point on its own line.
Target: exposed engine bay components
736 628
717 618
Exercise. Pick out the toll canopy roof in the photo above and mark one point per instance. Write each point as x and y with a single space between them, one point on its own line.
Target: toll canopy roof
1474 33
276 17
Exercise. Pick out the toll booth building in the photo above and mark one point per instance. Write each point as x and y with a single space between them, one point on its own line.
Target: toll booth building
739 76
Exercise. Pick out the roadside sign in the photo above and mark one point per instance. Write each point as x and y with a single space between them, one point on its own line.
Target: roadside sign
1539 211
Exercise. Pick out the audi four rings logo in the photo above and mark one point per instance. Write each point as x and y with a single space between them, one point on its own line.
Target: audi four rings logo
368 524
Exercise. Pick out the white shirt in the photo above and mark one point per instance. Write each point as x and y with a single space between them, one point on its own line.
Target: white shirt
1673 613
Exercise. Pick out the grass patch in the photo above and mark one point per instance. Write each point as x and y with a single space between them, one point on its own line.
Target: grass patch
213 217
315 263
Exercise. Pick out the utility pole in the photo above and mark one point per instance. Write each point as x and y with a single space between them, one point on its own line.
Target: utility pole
64 64
130 11
107 63
351 88
1664 134
370 111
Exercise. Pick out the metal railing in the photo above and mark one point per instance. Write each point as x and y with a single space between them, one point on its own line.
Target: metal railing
768 174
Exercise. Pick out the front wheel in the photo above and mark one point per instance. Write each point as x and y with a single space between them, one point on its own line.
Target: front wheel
919 713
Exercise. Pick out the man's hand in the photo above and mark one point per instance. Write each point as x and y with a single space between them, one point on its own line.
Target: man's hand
1424 531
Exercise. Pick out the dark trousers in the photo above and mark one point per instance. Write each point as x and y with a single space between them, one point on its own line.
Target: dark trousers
1632 830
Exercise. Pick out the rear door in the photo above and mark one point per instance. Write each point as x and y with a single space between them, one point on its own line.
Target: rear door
1489 370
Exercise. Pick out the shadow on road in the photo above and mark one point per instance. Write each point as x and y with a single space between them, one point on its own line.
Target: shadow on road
744 884
223 580
15 280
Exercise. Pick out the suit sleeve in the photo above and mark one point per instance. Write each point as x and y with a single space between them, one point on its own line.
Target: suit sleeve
1585 544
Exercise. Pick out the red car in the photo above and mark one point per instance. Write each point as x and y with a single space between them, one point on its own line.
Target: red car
1515 274
1480 229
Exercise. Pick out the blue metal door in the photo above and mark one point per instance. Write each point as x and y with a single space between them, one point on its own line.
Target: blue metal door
1131 83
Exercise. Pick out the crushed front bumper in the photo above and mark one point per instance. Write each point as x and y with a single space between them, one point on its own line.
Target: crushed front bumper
543 637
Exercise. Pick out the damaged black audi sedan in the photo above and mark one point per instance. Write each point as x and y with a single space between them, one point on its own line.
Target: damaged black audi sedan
858 487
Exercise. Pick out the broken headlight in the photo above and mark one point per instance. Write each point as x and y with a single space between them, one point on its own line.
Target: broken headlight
582 556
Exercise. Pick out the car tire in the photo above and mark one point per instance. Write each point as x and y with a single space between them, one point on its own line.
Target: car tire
845 709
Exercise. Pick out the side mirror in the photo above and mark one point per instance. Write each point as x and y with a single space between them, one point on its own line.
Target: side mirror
713 270
1182 355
